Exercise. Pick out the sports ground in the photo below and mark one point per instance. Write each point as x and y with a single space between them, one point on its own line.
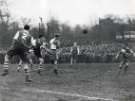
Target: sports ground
78 82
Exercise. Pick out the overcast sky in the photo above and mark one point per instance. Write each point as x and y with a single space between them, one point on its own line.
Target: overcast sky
71 11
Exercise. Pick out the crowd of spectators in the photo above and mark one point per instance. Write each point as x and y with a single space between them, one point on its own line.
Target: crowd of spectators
103 52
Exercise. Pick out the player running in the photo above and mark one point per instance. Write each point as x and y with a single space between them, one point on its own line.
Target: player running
22 42
125 53
55 50
75 51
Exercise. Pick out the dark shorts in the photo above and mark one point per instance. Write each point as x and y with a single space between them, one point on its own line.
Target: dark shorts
74 55
21 52
124 61
37 52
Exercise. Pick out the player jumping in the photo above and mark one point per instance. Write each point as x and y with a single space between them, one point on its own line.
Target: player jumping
22 42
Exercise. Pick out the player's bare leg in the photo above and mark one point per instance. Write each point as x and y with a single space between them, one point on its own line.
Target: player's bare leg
56 64
31 62
120 67
74 60
6 65
55 67
40 65
125 68
19 65
30 57
27 73
71 61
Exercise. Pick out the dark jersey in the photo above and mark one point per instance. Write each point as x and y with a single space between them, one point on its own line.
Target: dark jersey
36 49
74 50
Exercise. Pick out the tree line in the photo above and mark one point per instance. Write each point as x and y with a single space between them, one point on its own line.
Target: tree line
105 30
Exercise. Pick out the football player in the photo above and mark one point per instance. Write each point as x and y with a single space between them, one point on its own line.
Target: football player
55 49
38 45
22 42
75 51
125 53
41 41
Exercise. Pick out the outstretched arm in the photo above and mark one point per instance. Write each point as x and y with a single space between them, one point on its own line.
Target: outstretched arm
118 54
132 52
78 50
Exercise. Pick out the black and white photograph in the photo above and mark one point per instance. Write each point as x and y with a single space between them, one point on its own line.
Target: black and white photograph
67 50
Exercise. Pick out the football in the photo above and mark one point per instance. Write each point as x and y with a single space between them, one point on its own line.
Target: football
85 31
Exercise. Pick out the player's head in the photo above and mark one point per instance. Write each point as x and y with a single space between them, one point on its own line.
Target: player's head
40 36
21 26
57 35
85 31
26 27
126 47
75 44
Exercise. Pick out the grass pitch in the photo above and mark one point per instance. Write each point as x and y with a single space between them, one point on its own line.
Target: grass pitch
79 82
